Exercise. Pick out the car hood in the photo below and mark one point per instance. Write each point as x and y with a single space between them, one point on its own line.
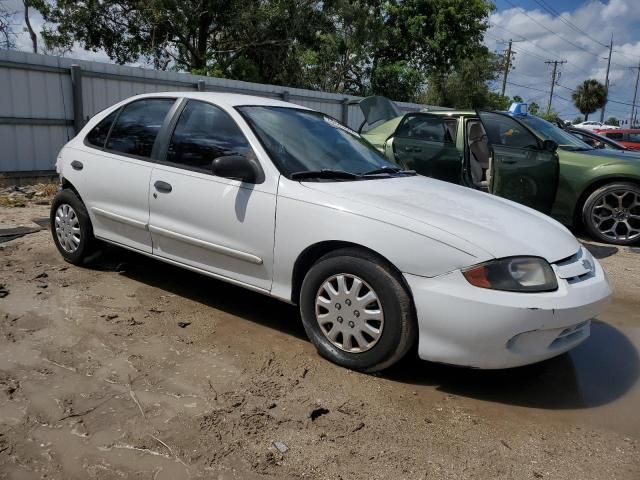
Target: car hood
611 154
467 219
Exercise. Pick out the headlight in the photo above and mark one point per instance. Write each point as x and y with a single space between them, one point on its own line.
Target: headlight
514 274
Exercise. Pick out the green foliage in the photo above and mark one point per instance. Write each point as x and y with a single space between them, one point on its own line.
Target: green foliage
467 85
612 121
578 119
589 96
534 108
397 80
357 46
550 116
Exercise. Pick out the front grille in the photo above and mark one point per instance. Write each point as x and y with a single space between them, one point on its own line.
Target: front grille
577 268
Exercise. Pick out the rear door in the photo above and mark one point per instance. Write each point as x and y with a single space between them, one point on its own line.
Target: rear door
113 170
426 143
521 170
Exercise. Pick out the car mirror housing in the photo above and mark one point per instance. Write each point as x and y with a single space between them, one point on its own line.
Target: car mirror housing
549 145
237 167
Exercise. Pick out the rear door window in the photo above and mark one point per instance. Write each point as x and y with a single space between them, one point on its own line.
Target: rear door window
137 126
424 127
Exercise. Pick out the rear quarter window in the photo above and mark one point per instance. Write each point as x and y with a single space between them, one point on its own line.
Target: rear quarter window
98 135
137 126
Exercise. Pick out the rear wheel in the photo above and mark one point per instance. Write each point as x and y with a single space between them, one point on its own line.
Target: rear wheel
356 311
612 213
71 227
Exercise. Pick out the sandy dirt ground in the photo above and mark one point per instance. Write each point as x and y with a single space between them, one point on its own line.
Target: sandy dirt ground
132 369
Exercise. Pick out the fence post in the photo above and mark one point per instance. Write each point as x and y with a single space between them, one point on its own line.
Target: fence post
285 96
202 87
345 111
76 88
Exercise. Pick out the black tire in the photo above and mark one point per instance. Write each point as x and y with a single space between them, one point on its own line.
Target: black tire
591 206
400 327
87 243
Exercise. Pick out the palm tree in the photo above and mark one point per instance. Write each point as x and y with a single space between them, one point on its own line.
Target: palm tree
589 96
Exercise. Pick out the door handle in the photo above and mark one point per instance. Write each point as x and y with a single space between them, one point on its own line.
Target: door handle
412 149
76 165
163 187
508 162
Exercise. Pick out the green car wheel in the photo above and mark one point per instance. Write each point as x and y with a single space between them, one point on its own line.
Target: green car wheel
612 213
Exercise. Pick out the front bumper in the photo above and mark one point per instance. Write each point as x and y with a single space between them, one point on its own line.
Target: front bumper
465 325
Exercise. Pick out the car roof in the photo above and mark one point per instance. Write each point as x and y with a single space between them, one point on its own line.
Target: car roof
224 99
448 112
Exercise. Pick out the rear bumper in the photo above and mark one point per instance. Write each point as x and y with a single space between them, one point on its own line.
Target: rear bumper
469 326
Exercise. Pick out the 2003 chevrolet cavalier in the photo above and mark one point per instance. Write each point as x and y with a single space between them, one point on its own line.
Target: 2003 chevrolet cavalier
288 202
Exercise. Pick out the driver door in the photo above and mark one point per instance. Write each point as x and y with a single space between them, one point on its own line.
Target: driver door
521 169
426 143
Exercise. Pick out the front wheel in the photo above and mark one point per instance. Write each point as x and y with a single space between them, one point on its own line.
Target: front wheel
71 227
611 213
356 311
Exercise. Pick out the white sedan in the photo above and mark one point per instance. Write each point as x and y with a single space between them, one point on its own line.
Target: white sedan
288 202
593 125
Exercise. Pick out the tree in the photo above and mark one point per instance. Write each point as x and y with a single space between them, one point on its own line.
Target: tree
7 32
534 108
589 96
578 119
398 81
32 34
612 121
466 86
333 45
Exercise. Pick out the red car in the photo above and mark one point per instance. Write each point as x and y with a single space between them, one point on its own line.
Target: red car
629 137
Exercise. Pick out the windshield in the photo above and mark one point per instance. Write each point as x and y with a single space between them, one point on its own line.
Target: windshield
548 131
304 140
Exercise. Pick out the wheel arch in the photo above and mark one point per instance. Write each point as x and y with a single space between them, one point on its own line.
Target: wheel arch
592 187
312 253
66 184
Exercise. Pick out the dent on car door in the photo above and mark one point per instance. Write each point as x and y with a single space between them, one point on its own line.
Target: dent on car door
424 142
116 164
219 225
521 169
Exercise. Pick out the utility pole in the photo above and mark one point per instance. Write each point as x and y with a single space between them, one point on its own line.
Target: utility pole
633 104
507 65
553 78
606 82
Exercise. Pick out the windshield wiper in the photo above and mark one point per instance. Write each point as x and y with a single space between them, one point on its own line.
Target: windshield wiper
389 170
324 173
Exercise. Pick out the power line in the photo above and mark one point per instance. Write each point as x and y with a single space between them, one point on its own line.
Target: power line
564 20
525 39
523 11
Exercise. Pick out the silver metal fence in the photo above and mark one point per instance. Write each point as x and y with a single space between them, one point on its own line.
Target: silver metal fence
44 100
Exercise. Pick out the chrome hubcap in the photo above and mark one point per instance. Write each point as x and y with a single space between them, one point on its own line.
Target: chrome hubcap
67 228
349 313
616 215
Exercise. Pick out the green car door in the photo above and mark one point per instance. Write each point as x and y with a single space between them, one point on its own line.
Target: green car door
523 168
426 143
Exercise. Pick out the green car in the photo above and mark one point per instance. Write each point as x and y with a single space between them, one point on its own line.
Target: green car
516 156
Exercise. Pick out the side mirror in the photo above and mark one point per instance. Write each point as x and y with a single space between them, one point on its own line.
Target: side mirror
237 167
549 146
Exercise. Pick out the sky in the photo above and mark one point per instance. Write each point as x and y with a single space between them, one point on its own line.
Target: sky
578 32
542 30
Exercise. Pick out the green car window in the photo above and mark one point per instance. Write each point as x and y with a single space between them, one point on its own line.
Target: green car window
549 131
